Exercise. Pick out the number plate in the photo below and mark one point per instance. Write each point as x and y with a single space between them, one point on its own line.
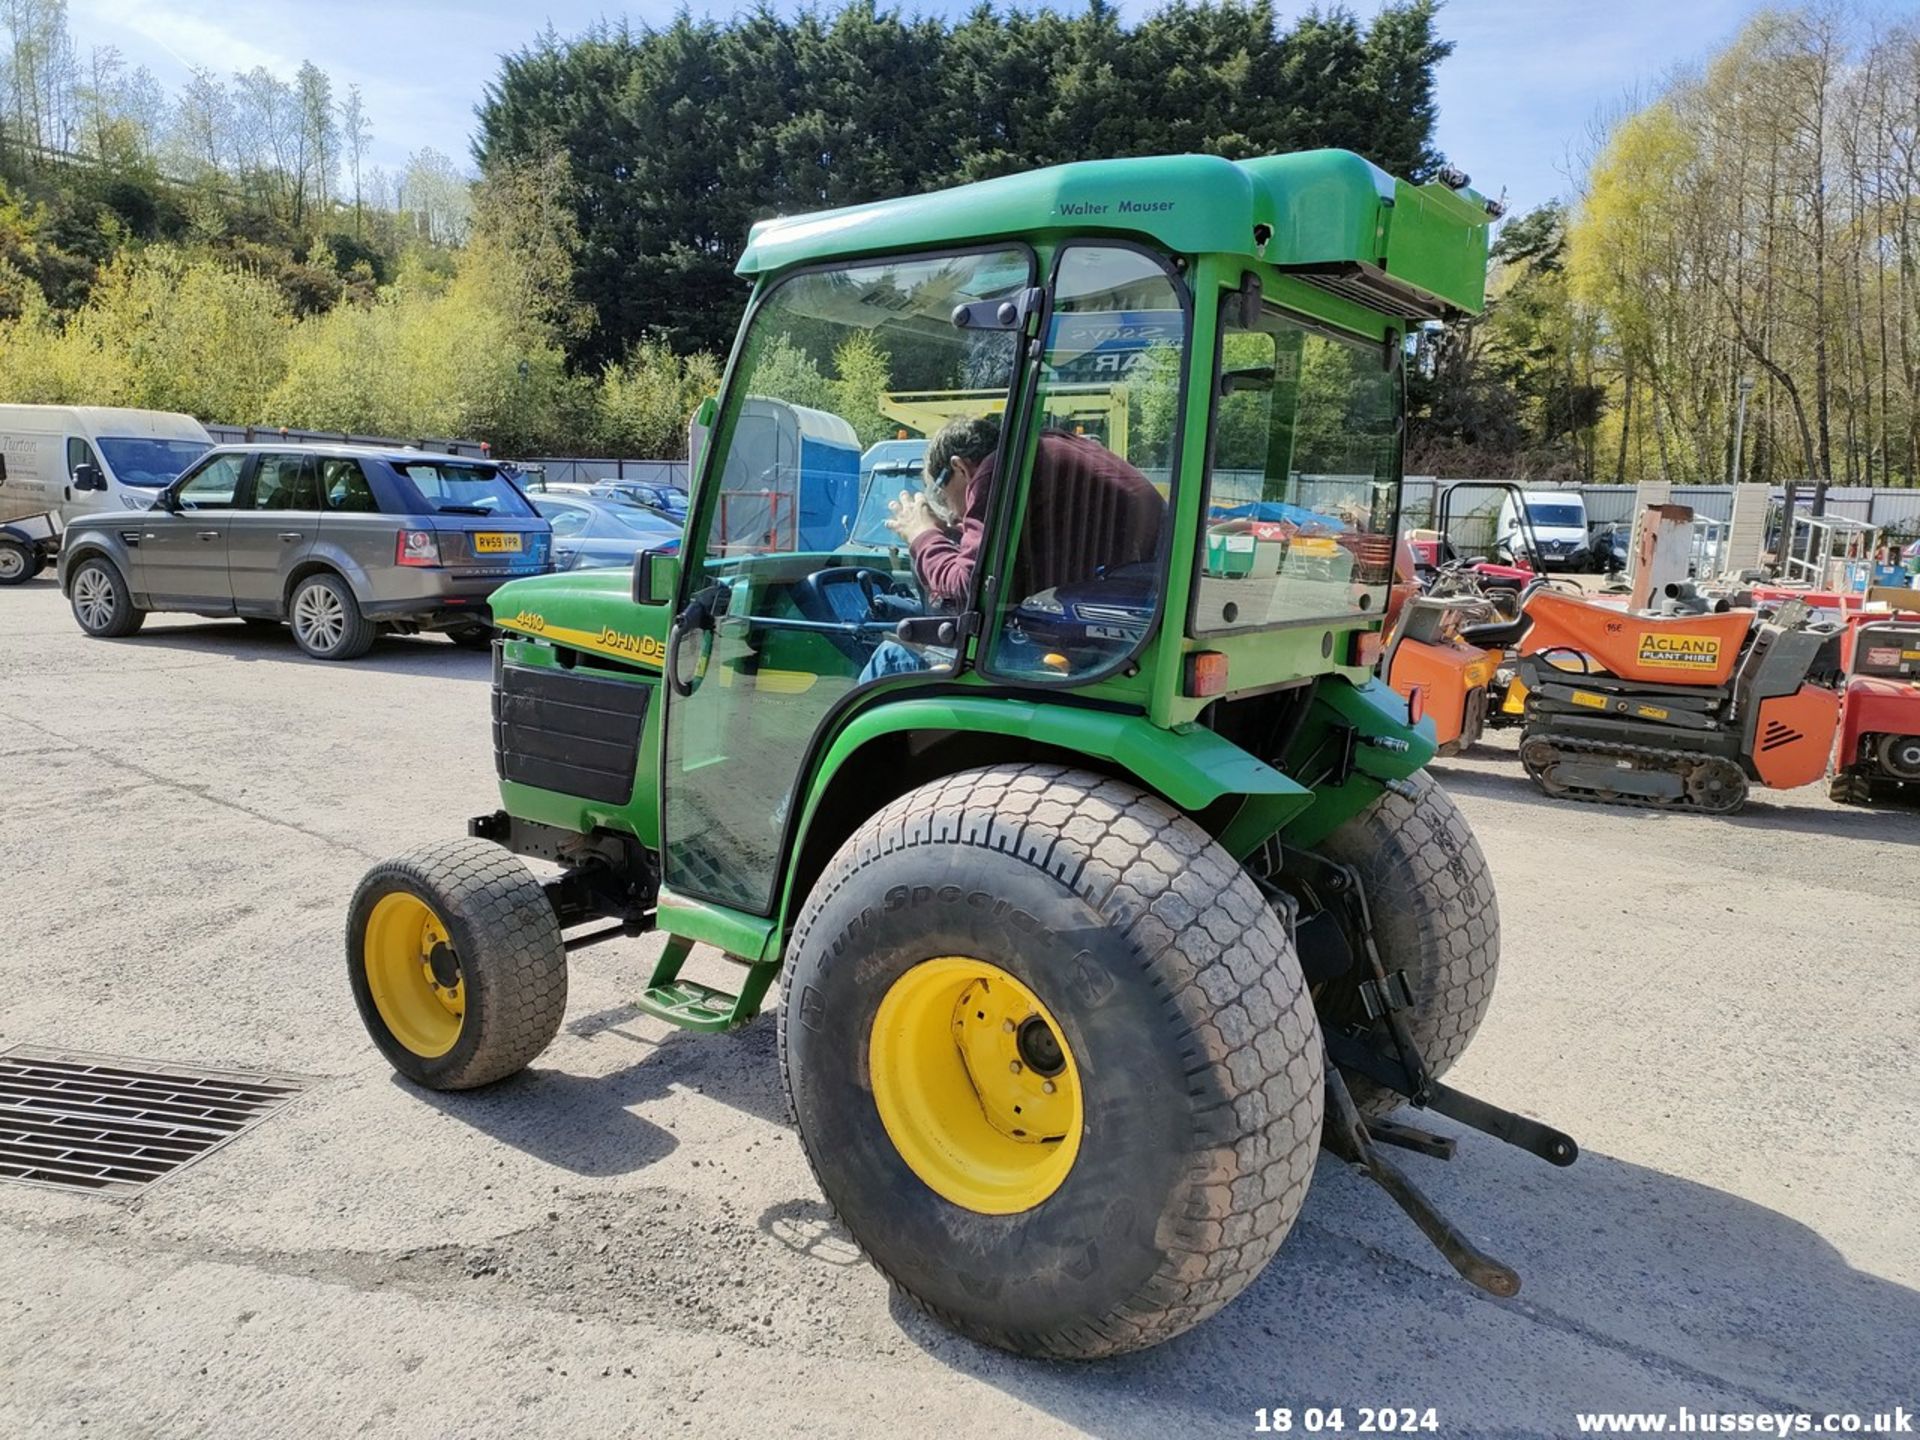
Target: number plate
495 543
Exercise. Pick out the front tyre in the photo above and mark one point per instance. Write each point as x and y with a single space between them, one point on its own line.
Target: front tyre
456 963
101 601
1051 1059
1434 916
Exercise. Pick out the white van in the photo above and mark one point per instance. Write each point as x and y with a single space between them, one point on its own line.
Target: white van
1558 520
75 459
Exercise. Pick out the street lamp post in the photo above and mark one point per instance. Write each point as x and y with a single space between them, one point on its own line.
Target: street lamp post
1739 430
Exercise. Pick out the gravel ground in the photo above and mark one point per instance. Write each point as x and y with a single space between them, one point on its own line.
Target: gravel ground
625 1240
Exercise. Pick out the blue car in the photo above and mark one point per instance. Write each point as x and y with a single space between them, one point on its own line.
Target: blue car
594 534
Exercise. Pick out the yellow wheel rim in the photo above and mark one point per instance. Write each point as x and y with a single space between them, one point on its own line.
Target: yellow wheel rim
976 1085
414 974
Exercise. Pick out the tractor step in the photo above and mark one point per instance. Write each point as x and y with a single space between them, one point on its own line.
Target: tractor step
692 1005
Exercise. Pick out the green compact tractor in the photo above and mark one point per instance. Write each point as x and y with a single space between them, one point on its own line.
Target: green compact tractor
1099 874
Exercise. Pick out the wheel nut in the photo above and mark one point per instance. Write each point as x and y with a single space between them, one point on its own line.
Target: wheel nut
1014 1066
1007 1025
1046 1087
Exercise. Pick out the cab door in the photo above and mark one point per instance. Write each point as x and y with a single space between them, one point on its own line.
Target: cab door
786 609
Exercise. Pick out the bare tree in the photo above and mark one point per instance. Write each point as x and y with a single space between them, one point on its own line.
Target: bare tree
356 133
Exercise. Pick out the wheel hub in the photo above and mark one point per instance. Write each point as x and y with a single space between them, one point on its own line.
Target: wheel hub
975 1085
414 974
1900 756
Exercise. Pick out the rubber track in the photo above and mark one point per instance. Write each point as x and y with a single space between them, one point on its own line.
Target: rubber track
1683 760
1231 985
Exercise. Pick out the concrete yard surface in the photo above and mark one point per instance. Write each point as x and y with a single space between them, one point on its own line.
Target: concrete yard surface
625 1240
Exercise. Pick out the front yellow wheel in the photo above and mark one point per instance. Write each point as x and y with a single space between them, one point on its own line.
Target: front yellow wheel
975 1086
456 962
414 974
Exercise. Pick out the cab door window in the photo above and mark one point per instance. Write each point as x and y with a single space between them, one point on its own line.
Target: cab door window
806 554
79 453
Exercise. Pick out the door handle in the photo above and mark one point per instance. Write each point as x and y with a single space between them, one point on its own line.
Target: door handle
290 534
209 534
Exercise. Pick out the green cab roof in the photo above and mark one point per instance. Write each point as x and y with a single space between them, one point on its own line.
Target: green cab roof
1418 252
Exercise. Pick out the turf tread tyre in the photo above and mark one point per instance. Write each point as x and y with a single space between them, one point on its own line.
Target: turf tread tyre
1227 981
1434 915
358 632
126 618
512 958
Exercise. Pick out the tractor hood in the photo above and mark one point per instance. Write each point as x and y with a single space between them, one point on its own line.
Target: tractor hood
589 610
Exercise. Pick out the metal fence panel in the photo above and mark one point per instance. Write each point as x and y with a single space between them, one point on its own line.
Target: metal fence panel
585 470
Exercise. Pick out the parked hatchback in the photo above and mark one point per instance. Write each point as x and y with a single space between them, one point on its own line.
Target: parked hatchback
666 501
597 535
336 542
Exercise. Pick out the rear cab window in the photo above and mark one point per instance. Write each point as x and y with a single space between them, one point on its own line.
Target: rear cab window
453 487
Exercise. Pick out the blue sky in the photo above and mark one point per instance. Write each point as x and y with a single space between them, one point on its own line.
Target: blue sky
1516 98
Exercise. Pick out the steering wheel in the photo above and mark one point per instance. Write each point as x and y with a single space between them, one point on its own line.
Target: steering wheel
885 601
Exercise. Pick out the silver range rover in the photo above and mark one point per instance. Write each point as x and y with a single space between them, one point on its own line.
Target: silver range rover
336 542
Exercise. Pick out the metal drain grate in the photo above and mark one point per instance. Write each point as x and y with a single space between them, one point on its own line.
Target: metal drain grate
100 1123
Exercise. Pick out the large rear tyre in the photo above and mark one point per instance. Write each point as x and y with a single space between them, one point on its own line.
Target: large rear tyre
1052 1060
456 963
1434 916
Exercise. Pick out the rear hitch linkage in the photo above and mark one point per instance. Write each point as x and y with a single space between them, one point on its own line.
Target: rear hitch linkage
1334 890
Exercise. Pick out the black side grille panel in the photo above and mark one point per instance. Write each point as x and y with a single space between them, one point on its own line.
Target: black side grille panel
574 734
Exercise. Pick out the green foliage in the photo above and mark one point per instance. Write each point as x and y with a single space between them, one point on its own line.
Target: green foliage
680 137
644 402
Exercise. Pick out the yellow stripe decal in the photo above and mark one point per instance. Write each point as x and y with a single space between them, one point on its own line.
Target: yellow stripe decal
636 649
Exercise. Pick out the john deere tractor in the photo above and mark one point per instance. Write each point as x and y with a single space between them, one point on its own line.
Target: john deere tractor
1099 877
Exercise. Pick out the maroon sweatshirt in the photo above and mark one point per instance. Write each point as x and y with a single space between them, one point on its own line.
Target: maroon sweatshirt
1086 508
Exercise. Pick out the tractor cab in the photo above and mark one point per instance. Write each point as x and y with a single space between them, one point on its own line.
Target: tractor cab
1010 699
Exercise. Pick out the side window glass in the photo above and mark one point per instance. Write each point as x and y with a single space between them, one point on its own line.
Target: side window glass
212 487
79 453
285 482
344 488
1306 477
1084 584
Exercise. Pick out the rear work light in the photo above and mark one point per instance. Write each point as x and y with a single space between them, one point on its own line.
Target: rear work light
1206 673
1416 704
1364 647
416 547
